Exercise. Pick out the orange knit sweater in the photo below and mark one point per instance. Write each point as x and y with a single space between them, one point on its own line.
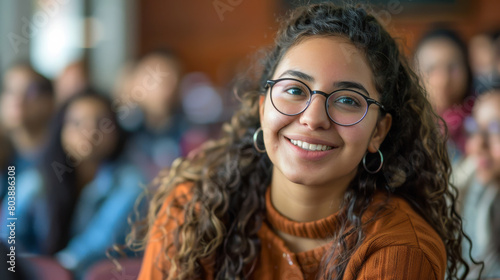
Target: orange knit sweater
399 244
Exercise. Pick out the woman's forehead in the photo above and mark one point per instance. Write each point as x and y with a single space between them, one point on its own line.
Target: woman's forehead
87 105
328 59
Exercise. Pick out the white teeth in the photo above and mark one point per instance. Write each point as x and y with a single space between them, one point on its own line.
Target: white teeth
305 145
310 147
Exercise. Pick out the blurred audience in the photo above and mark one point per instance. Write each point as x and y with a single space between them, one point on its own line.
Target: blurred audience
151 108
485 60
27 105
442 61
480 207
84 188
203 107
482 54
127 109
73 79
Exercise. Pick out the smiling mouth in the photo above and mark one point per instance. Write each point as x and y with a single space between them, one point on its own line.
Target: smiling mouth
310 147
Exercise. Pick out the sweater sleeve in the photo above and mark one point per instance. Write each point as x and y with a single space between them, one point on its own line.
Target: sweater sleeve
154 263
399 262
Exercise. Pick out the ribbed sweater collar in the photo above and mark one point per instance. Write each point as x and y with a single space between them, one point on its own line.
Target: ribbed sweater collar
319 229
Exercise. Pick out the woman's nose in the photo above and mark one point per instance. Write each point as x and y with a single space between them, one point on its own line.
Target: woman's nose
315 116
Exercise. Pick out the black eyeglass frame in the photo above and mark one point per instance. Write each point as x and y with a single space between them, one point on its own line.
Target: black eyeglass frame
369 101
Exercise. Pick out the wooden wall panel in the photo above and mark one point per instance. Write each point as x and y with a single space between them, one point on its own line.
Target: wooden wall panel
213 44
206 40
480 16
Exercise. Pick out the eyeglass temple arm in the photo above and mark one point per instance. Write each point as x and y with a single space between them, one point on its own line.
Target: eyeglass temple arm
269 83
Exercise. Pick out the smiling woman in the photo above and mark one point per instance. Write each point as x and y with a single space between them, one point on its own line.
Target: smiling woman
352 183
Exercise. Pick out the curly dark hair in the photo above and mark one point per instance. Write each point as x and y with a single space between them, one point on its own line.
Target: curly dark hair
230 178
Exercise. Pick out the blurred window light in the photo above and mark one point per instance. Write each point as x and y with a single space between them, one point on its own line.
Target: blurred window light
57 34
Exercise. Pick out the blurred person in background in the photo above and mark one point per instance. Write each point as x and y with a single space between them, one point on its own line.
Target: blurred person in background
127 109
72 80
160 124
27 106
441 60
124 81
204 109
85 190
480 202
485 59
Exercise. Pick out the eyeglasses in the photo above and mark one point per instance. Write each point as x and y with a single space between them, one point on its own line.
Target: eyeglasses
344 107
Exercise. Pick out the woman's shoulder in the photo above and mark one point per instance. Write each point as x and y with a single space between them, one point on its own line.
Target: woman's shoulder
400 223
173 203
169 216
182 192
401 232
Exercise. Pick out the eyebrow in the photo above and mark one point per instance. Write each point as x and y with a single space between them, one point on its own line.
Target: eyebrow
337 85
351 85
298 74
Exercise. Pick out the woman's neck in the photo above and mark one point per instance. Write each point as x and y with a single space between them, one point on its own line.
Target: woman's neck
85 173
307 203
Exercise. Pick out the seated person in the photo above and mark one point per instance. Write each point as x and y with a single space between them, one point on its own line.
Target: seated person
27 107
480 203
85 191
153 113
442 62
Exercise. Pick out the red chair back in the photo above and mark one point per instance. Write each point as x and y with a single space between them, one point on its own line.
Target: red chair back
47 268
106 270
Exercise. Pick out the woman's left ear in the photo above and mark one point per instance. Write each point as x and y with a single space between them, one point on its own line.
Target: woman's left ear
262 98
380 132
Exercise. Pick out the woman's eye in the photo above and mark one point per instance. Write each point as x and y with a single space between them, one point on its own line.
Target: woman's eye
295 91
347 101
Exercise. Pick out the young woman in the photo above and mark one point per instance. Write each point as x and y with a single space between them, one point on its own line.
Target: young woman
349 182
443 64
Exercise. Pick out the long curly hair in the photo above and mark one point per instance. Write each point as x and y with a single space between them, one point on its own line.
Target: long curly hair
62 195
229 177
